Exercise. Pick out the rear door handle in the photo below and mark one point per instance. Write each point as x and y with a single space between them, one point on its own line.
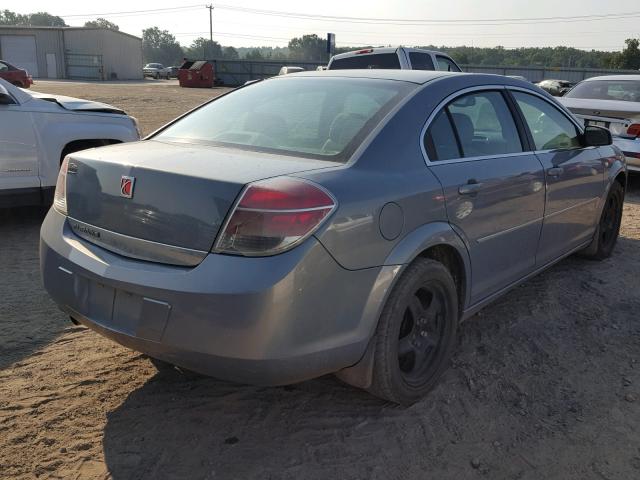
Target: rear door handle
555 171
469 188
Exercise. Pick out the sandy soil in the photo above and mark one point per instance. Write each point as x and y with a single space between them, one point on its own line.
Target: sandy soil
546 383
152 102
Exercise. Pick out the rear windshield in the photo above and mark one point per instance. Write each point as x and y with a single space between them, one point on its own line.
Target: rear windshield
324 118
625 90
389 61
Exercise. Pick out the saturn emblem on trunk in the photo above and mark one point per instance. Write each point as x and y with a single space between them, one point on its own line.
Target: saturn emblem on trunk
126 186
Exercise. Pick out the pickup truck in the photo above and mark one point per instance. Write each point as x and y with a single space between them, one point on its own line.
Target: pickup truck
39 130
398 58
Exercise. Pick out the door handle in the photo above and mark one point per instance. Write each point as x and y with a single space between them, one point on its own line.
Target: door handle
470 188
555 171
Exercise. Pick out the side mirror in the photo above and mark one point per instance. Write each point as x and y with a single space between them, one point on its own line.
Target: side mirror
597 136
5 98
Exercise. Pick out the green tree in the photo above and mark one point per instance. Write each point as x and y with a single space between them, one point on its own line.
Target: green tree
160 46
102 23
308 47
230 53
204 48
39 19
629 58
254 54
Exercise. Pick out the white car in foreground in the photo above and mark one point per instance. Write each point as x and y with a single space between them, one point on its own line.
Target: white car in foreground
38 130
612 102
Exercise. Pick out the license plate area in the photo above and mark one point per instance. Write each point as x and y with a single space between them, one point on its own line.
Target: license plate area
597 123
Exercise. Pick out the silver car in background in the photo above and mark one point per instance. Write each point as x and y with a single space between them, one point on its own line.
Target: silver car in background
328 222
612 102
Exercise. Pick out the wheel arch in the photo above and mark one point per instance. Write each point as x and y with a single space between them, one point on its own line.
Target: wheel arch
437 241
83 144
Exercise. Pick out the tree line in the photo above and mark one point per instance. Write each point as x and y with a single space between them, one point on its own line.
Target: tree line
161 46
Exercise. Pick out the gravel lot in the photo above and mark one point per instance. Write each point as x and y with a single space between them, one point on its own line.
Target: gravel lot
546 384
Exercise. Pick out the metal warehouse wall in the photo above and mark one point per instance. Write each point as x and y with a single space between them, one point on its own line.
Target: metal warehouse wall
121 53
48 41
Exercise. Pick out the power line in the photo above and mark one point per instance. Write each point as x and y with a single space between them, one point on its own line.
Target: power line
413 21
133 12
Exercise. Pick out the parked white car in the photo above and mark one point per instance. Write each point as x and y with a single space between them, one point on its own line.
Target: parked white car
156 70
38 130
613 102
402 58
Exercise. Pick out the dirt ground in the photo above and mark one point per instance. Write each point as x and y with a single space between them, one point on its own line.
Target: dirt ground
545 384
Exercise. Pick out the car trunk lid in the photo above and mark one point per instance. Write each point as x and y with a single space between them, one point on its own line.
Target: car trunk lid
616 115
179 195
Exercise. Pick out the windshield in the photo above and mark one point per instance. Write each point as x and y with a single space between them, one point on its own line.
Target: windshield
373 61
323 118
625 90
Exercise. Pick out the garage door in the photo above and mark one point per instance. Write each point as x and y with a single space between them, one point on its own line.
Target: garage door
20 50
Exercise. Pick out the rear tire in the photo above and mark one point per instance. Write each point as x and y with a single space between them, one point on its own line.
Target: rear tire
18 84
608 228
416 334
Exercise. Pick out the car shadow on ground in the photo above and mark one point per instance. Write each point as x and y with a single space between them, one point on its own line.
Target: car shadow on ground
538 372
29 319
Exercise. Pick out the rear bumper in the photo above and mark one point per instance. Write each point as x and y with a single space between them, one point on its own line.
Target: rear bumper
265 321
631 149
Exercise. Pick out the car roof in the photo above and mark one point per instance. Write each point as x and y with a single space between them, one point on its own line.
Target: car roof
413 76
384 50
614 77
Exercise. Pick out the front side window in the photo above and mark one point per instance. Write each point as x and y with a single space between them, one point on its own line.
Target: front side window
3 67
323 118
421 61
367 61
550 128
445 64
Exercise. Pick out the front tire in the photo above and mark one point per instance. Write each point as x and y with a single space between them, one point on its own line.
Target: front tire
416 334
608 230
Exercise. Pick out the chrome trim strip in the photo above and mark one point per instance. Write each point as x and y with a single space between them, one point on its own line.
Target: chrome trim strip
62 269
137 248
464 91
581 204
291 210
436 111
509 230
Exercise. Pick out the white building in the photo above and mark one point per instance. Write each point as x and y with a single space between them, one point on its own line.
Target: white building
72 52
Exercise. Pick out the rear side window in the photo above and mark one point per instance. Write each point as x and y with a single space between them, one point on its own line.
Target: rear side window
550 128
445 64
483 126
3 67
440 141
421 61
388 61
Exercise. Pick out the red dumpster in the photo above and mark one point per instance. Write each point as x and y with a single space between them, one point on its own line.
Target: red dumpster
199 74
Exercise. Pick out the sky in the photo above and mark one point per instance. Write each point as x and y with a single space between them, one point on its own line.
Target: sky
479 23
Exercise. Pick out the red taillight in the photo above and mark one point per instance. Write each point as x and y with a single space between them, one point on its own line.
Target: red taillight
274 215
366 50
634 129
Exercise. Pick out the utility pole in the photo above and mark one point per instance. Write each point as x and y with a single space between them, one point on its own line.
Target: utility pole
210 7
